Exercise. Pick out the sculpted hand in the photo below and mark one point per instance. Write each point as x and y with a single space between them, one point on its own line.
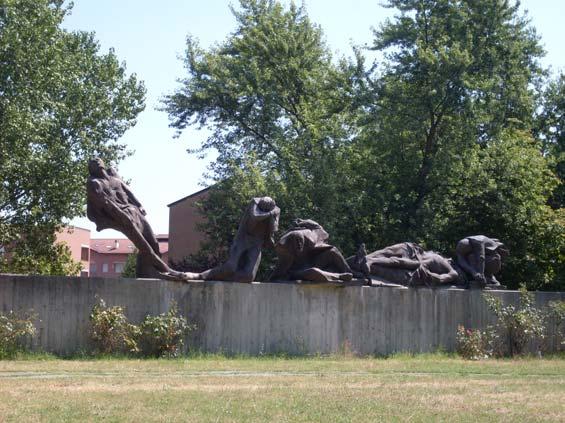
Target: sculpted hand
479 277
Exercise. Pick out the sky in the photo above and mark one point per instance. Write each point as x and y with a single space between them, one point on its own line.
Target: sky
149 37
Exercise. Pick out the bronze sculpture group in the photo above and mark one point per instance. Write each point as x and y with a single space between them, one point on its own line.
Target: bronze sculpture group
303 252
110 204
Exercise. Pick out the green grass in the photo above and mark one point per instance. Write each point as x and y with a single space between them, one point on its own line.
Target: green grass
214 388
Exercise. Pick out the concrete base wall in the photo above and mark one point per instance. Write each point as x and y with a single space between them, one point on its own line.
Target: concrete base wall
260 317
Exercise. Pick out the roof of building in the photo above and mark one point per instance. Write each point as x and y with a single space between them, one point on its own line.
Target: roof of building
194 194
119 246
72 228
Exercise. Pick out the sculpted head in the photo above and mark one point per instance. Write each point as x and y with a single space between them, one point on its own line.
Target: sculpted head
96 167
503 250
498 247
266 204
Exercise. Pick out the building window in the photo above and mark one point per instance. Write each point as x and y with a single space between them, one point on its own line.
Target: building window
84 274
84 253
118 267
104 267
92 268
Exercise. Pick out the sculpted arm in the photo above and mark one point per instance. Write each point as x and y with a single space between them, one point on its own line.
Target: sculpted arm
469 246
94 191
273 227
479 251
257 214
132 198
275 214
451 276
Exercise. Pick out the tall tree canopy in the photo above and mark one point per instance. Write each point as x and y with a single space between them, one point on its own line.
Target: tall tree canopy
431 145
61 101
456 74
454 101
550 128
278 108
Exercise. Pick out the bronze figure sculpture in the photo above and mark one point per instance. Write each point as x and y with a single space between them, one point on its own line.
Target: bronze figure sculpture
405 264
480 257
112 205
303 254
256 230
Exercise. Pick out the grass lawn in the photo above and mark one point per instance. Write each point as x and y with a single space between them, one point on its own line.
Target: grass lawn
327 389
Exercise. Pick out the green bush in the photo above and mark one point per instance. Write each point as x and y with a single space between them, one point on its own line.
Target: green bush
157 336
556 320
517 326
14 328
162 335
475 344
110 330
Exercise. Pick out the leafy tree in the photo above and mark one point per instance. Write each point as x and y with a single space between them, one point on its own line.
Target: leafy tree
550 128
61 102
280 114
38 253
130 266
455 75
511 185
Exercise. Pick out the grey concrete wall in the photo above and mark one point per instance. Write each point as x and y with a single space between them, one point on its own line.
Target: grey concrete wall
260 317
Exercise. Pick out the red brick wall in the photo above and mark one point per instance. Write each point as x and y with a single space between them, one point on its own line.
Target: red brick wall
184 237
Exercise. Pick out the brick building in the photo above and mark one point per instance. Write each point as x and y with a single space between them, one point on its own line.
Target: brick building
78 241
103 257
184 218
108 256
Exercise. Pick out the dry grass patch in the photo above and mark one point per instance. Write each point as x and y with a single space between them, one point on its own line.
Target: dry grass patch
274 389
